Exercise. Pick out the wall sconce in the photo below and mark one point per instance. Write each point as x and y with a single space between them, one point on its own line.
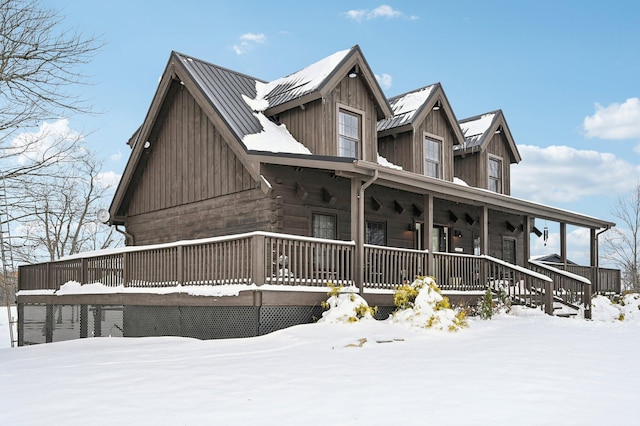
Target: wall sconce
354 71
457 233
411 227
437 106
498 131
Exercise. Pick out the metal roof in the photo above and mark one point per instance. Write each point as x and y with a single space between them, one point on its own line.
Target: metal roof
224 89
406 107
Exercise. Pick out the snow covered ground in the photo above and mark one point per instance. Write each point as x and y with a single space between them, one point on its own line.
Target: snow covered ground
523 368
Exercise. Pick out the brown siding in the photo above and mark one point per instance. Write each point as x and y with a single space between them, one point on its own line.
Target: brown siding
316 125
467 168
188 160
399 150
230 214
299 194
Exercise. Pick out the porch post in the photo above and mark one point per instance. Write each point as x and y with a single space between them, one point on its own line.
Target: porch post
594 261
563 243
427 233
357 267
484 230
527 240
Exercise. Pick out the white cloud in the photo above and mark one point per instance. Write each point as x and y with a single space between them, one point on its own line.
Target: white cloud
616 121
637 148
116 156
248 41
560 174
51 140
108 179
385 80
255 38
382 11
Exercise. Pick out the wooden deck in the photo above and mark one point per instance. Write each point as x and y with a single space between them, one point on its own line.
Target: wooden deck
267 258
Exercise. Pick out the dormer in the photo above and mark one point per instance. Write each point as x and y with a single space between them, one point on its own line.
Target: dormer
485 157
422 133
331 106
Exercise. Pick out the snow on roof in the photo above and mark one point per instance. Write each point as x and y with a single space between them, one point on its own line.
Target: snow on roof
273 137
302 82
386 163
404 107
478 126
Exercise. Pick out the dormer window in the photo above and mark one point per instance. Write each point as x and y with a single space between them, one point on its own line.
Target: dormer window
349 134
432 157
495 174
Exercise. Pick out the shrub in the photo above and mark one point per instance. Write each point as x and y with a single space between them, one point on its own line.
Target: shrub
422 304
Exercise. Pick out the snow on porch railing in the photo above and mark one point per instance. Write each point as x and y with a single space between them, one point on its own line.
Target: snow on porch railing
459 272
572 289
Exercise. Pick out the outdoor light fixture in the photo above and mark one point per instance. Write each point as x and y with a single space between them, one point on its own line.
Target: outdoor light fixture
498 131
458 233
436 106
354 72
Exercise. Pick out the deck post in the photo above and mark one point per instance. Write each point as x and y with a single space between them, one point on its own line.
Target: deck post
48 323
180 264
258 259
427 234
586 300
84 271
548 297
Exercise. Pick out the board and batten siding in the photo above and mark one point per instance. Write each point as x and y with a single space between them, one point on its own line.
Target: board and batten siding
188 160
406 149
316 124
473 168
192 184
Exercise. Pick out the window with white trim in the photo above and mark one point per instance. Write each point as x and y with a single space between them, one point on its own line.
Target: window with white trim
349 138
495 174
432 154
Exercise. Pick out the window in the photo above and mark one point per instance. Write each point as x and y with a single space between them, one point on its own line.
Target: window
376 233
348 134
495 174
324 226
509 250
432 149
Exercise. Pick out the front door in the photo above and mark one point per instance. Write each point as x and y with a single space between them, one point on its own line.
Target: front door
440 237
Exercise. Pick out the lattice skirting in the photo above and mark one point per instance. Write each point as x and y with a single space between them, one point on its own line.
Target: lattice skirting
44 323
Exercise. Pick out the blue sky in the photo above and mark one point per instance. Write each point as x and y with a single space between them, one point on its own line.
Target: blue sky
565 73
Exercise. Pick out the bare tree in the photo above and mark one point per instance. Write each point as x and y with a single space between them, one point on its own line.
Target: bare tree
59 216
622 243
40 72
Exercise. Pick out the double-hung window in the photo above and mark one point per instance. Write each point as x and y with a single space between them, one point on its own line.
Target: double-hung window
349 138
495 174
432 155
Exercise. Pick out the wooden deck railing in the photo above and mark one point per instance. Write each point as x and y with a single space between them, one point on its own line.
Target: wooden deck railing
459 272
571 289
269 258
603 280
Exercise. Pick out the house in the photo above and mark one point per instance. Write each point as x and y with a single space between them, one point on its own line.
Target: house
312 178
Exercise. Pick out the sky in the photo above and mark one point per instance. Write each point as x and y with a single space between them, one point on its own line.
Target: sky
565 74
521 368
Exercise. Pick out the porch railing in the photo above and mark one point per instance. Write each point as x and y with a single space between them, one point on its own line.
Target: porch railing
270 258
570 289
460 272
603 280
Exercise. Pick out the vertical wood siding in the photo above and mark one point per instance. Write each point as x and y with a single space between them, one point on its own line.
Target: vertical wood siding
316 125
188 160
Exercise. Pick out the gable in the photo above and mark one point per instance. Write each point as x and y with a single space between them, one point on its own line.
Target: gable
186 159
488 129
319 79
